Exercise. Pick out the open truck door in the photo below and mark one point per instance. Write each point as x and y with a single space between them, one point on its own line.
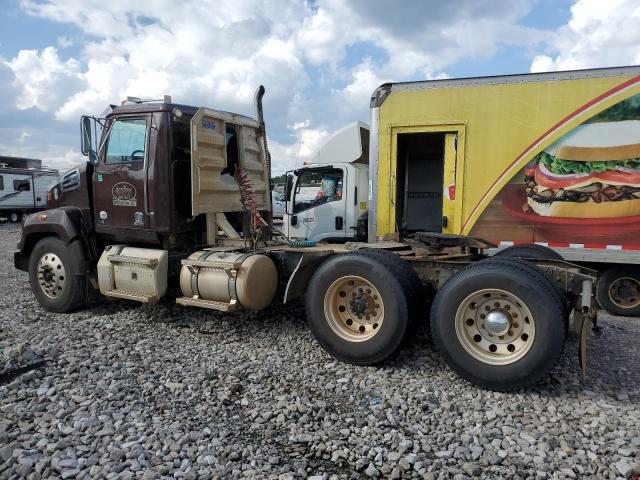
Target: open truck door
423 179
222 144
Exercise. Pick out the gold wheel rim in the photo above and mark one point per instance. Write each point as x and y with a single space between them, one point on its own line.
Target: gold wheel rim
495 326
354 309
625 292
51 275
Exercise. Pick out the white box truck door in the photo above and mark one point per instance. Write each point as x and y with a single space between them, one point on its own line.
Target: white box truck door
319 204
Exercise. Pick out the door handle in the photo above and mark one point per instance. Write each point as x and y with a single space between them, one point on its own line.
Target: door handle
339 223
294 220
392 188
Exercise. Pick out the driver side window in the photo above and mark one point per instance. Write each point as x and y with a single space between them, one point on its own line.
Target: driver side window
127 141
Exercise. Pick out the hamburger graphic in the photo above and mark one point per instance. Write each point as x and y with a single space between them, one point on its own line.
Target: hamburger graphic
591 172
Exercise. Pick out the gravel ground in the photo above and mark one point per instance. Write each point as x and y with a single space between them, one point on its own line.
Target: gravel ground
127 390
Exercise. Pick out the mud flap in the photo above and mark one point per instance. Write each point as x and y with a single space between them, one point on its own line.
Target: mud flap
583 323
306 267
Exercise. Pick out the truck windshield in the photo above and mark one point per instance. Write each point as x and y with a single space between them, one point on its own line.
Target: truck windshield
317 187
127 140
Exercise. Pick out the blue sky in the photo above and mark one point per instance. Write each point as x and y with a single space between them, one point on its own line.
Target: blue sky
319 60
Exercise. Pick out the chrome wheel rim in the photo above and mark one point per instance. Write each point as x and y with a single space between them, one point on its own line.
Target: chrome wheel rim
354 309
495 326
625 292
52 277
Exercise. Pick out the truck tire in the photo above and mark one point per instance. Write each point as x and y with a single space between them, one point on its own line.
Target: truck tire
560 294
55 278
529 251
357 307
417 294
618 291
14 217
527 330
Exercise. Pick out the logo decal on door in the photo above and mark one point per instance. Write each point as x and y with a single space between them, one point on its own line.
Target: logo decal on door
124 195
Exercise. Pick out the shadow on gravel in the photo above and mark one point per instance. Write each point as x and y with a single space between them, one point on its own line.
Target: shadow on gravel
9 376
612 358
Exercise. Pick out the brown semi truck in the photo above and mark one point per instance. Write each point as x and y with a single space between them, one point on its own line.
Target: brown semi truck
174 195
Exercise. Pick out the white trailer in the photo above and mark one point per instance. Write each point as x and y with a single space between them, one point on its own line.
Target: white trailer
23 190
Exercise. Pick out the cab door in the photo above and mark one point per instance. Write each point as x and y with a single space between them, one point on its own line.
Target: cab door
317 209
119 180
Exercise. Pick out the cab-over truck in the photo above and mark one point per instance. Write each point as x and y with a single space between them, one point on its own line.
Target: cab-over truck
174 195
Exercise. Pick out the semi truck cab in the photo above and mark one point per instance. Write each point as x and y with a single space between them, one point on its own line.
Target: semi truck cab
160 176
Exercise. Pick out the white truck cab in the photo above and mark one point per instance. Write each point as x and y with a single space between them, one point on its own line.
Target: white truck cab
327 198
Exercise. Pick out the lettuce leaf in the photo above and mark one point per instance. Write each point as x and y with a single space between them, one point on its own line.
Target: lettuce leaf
569 167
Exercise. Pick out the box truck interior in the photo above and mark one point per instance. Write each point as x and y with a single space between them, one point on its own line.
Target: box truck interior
420 179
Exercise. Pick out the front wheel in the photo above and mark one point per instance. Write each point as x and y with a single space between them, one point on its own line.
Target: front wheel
357 308
15 217
55 278
499 324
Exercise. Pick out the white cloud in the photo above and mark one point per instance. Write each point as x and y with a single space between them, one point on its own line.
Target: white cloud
354 97
293 155
55 156
599 34
64 42
323 37
416 36
43 78
319 61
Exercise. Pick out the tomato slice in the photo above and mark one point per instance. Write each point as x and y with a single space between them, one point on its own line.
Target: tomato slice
620 177
562 182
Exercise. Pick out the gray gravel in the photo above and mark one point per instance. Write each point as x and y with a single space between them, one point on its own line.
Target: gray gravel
124 390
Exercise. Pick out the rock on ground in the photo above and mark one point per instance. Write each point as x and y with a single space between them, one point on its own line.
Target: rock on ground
134 391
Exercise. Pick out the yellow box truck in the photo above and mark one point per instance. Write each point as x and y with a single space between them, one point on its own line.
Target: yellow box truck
549 159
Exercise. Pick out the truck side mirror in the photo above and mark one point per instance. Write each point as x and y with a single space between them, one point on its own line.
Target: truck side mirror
85 135
93 158
288 187
86 143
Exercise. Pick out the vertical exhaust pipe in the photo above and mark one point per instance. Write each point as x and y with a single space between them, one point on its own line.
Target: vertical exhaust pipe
257 102
262 132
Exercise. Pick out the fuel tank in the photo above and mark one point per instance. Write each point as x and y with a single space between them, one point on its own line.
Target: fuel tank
231 279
